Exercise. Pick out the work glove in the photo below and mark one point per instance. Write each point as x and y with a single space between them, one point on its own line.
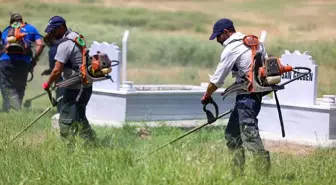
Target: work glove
46 86
46 72
206 99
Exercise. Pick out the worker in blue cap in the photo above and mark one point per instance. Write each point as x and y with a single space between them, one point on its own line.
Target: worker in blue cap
17 59
69 59
242 128
52 44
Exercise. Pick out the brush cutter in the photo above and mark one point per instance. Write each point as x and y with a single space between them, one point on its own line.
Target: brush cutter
210 117
265 77
53 102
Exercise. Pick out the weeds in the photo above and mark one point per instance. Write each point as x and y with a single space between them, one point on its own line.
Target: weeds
196 159
40 157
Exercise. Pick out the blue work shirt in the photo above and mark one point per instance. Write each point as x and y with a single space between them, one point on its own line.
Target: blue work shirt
3 55
31 37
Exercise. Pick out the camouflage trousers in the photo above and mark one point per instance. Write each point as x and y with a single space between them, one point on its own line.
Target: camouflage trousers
73 120
242 132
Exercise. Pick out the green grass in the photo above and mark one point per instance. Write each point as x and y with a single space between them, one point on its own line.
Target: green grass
39 157
150 46
124 17
268 7
165 47
147 47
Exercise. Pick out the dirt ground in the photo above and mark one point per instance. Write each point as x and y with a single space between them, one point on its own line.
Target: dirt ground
273 146
288 148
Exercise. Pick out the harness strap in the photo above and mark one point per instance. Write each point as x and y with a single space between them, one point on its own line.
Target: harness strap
82 77
15 30
251 41
80 41
80 91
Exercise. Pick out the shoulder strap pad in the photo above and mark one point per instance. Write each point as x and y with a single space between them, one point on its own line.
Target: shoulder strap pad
78 40
251 40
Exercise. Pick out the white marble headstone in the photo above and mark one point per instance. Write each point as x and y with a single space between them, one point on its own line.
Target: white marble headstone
304 90
113 53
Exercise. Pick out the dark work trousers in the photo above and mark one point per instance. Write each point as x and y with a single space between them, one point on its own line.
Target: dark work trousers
242 131
13 76
73 116
59 92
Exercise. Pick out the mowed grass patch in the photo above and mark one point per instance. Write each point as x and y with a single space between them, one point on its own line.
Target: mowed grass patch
39 157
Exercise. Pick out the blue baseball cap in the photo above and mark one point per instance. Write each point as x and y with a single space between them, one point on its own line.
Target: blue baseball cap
219 26
54 23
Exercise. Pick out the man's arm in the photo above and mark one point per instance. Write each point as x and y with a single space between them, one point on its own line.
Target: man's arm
56 72
37 38
211 89
62 56
39 48
222 71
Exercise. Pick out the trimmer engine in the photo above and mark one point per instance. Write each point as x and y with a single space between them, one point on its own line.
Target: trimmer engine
99 65
264 77
271 71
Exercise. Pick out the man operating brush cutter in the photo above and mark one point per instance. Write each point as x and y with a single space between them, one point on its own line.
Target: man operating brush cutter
79 72
52 44
256 76
18 60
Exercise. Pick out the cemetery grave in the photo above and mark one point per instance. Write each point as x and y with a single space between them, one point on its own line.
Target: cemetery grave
308 120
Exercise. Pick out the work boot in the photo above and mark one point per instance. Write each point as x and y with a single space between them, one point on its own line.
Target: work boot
263 162
238 162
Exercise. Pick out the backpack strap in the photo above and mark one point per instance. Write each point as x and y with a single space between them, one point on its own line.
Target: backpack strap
67 64
251 41
80 41
16 44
